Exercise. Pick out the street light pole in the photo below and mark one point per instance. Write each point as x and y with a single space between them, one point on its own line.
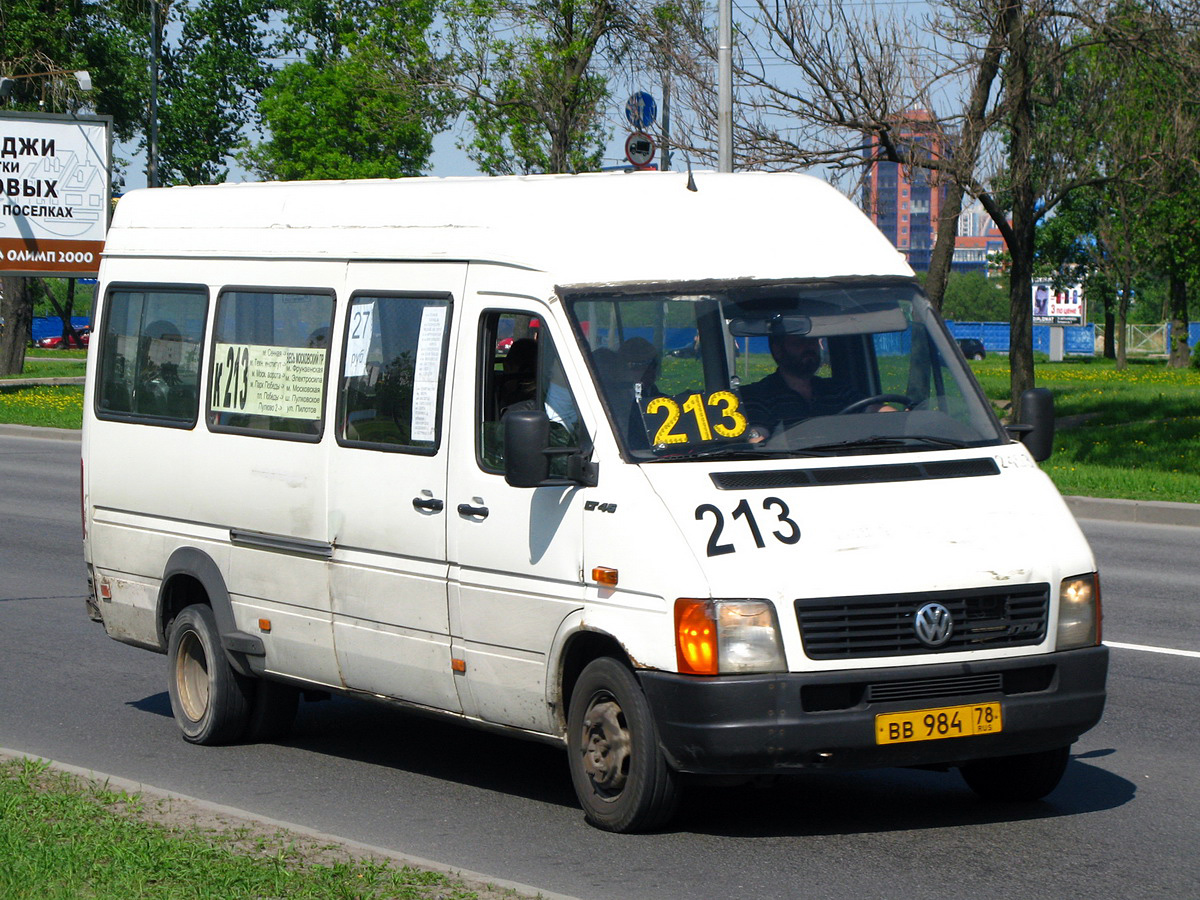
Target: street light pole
725 87
152 148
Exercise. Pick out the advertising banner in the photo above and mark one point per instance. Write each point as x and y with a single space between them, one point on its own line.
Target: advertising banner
54 193
1058 306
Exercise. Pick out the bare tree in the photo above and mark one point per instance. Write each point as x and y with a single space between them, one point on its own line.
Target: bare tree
836 86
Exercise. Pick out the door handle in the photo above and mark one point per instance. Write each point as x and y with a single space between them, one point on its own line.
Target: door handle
430 504
466 509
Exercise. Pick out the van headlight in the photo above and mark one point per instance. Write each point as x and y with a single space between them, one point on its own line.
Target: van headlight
1079 612
727 637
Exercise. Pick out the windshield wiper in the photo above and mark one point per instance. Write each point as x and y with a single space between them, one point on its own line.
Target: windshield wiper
725 451
890 444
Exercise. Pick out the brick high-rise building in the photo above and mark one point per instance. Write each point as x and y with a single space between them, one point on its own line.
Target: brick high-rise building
904 201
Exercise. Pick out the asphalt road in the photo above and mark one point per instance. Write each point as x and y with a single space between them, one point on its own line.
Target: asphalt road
1123 823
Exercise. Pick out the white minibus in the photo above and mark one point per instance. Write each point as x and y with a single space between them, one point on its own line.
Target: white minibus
682 473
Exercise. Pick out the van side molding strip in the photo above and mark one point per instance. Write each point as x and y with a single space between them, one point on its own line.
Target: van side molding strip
281 543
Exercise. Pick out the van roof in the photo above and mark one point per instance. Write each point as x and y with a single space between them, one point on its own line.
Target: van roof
607 228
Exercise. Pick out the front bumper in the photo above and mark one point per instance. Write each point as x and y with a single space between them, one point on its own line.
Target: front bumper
767 724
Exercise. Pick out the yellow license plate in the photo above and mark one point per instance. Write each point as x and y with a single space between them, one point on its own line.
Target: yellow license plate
937 724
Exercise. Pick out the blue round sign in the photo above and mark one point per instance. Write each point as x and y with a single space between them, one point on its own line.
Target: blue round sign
641 110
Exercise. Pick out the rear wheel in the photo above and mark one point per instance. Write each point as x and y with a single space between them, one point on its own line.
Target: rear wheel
1030 776
211 701
620 775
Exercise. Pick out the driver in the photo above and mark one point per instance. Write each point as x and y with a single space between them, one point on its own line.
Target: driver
794 391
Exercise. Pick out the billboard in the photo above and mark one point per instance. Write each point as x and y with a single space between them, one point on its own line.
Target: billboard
54 193
1058 305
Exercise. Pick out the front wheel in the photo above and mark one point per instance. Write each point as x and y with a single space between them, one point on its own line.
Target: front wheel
211 701
1030 776
620 775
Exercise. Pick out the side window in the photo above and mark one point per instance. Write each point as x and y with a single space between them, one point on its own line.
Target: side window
521 369
269 362
151 343
392 379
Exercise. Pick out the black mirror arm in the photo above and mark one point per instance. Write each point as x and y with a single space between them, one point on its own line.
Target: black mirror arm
580 470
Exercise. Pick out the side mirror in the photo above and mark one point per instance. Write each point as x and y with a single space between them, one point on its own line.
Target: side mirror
526 439
527 453
1036 428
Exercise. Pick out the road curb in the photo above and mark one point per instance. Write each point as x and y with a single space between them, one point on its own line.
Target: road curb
416 862
34 382
34 431
1145 512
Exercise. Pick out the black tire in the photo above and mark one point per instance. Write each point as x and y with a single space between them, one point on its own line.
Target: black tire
620 775
272 712
211 702
1017 779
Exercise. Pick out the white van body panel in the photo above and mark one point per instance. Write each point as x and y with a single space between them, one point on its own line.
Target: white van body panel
388 571
883 538
547 223
412 568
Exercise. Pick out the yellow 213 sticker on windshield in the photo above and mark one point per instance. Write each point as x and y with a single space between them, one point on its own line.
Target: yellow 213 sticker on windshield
697 425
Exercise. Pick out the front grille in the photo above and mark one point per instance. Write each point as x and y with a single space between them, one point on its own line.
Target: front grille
841 695
930 688
882 625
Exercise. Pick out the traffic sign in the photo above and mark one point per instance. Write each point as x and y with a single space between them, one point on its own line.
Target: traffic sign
639 148
640 110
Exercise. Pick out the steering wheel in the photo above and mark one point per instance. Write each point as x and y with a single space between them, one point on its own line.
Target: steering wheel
859 405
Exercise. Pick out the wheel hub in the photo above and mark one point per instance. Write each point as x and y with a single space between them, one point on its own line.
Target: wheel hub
606 746
192 678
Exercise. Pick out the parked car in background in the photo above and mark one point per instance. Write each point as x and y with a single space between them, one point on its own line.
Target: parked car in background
972 348
55 341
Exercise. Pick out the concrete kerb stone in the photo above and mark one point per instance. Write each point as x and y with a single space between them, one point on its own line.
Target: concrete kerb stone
1145 512
149 791
33 431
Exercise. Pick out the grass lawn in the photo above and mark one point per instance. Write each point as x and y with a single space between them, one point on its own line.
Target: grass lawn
1132 434
54 364
63 838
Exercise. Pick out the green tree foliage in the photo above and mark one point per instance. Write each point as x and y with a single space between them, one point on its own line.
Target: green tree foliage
41 42
531 76
106 39
1134 225
355 104
212 76
973 297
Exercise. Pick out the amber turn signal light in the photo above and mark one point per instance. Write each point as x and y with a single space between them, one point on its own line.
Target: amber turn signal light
604 575
695 637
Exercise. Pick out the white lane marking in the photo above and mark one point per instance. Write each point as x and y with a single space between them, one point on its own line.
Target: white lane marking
1195 654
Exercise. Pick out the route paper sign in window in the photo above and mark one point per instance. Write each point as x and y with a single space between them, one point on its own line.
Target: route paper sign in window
269 362
54 193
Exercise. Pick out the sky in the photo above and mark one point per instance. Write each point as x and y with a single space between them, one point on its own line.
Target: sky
447 159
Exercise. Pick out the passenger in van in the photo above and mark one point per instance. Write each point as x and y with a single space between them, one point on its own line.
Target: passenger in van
637 368
630 378
319 338
793 392
519 381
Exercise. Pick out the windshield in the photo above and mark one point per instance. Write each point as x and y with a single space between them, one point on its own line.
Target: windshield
769 370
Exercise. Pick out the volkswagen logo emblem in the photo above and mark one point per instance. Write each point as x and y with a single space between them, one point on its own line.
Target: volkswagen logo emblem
933 625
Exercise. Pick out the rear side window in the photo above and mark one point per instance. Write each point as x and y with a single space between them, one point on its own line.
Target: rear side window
150 350
269 362
391 385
